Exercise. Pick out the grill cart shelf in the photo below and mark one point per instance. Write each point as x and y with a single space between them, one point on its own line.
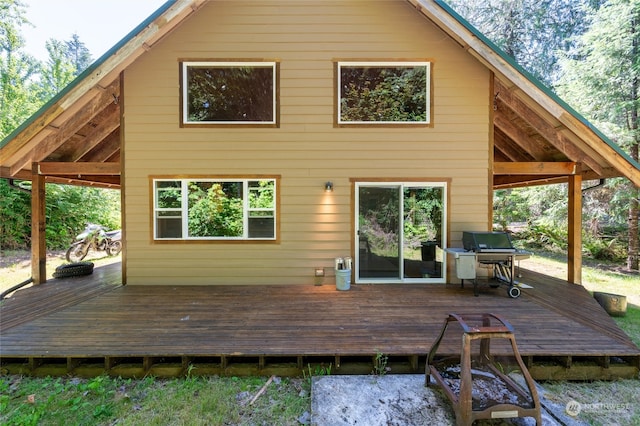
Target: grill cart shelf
477 388
489 248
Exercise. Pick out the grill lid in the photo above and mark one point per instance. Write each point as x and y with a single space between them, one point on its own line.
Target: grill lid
487 242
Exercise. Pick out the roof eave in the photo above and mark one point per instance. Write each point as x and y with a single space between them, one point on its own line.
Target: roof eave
474 42
104 70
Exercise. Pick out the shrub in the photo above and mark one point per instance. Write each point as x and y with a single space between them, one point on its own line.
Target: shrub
68 210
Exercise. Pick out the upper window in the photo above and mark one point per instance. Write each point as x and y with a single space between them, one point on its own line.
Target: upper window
383 92
229 93
214 209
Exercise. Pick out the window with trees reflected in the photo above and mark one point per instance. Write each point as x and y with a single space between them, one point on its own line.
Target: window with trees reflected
229 93
383 93
215 209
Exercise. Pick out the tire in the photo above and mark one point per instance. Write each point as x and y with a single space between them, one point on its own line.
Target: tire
114 248
514 292
73 270
77 252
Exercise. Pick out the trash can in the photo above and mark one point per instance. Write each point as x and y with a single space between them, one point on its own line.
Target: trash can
343 273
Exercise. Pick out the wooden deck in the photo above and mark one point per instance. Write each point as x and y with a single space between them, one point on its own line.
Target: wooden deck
90 324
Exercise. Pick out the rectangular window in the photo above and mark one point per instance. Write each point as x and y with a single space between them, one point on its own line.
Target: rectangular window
383 92
215 209
229 93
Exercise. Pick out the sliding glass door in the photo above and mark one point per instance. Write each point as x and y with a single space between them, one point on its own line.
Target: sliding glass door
400 230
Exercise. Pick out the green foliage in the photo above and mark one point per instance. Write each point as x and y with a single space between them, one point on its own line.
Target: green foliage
604 249
383 94
533 32
380 364
17 69
215 209
509 206
68 210
191 401
77 54
219 93
15 217
57 72
26 83
544 236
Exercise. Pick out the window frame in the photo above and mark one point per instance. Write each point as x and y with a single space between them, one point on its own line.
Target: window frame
182 212
428 90
184 104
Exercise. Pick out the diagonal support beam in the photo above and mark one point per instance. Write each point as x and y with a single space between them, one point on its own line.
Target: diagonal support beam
506 99
67 129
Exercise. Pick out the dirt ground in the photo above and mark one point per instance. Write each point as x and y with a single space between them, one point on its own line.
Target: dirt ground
15 265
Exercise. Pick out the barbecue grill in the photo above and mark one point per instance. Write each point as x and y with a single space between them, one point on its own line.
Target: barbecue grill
489 248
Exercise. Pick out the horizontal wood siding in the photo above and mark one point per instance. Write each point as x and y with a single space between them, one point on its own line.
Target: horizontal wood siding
306 150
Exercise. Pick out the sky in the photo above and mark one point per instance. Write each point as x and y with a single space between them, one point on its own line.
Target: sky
99 23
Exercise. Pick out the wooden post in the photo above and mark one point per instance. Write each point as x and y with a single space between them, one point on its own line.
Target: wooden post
38 227
574 255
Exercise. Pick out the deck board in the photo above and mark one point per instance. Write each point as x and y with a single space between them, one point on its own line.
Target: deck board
95 317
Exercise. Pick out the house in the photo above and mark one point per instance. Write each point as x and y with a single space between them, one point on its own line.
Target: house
254 143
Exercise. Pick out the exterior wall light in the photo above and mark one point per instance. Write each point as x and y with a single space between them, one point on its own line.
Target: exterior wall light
328 187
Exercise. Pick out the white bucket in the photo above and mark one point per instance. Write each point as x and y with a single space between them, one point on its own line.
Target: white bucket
343 279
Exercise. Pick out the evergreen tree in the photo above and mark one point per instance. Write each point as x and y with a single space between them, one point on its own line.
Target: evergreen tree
602 79
77 53
56 72
532 32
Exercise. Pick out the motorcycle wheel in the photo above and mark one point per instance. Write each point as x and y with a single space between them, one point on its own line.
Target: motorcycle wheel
114 248
77 252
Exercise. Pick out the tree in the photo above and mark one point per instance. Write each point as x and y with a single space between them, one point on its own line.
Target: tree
602 79
532 32
18 70
77 53
57 72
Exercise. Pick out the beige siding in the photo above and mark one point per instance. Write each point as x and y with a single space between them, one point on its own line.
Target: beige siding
306 150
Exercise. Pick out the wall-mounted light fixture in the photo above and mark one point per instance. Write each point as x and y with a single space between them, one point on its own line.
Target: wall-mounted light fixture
328 187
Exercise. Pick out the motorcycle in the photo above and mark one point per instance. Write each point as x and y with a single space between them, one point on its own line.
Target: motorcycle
96 237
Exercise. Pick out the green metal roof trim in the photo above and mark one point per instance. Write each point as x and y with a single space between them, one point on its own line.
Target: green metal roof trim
90 69
535 81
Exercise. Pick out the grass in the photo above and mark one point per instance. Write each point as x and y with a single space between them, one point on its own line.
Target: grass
601 403
286 401
599 277
189 401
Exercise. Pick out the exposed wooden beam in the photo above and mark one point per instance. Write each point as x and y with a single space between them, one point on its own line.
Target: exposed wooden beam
24 174
108 182
74 123
518 136
574 235
94 169
38 228
555 136
107 123
105 150
508 148
534 168
515 181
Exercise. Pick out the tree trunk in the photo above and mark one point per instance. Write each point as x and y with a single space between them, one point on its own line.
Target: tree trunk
634 206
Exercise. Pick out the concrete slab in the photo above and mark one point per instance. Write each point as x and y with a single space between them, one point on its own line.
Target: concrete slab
377 400
390 400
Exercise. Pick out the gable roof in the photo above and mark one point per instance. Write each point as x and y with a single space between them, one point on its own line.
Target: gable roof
538 138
